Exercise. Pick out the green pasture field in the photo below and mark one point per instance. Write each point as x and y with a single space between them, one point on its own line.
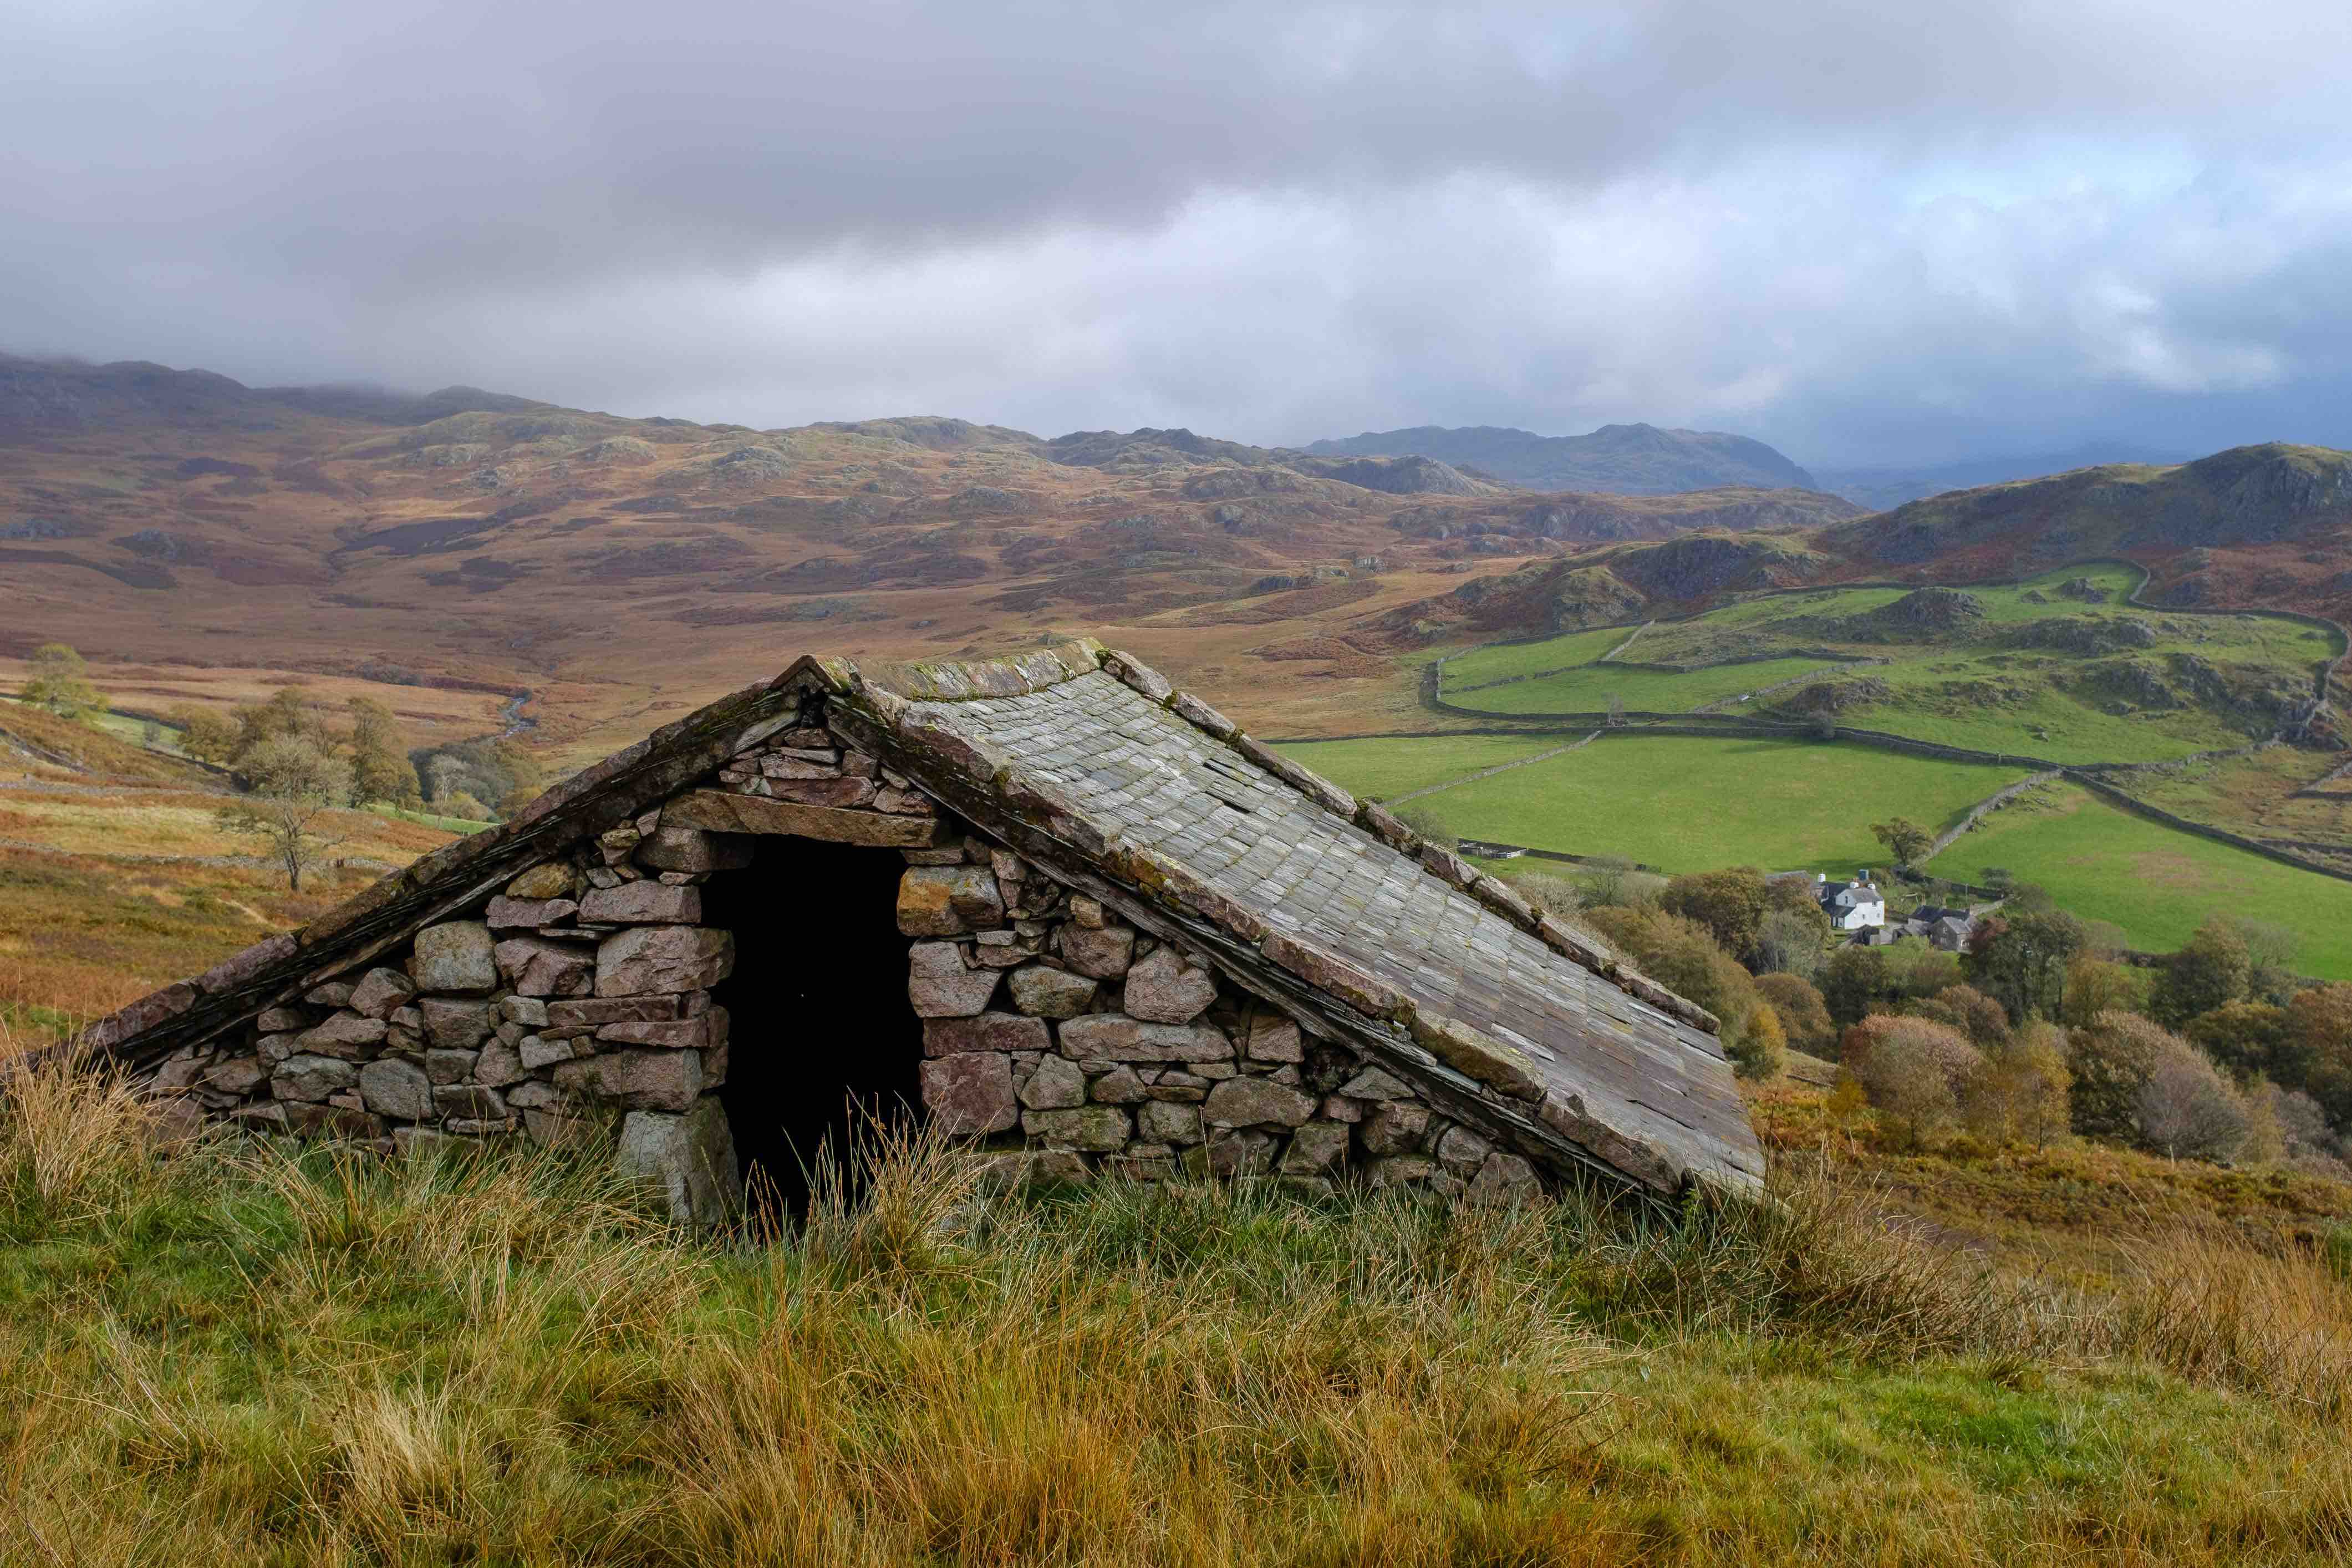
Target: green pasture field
1588 688
2253 794
1382 770
1525 658
1998 703
464 825
1686 802
2031 701
2157 883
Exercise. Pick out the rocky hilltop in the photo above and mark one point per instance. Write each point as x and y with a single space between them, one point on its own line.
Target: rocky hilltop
2268 526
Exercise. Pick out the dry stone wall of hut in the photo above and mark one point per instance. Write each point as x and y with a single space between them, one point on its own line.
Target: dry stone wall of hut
577 1004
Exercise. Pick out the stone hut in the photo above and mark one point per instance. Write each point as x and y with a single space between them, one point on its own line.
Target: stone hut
1048 904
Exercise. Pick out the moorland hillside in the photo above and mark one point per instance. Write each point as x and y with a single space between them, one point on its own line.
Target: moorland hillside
483 556
2263 527
181 525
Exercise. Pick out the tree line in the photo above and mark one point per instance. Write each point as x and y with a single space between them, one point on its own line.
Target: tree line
295 760
2037 1028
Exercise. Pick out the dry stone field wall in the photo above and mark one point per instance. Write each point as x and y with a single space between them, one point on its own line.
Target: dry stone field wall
577 1002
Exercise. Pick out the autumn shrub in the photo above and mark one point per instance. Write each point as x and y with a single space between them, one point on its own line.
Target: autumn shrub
2212 967
2017 1093
1762 1049
2111 1056
1682 955
1730 904
2095 985
2135 1080
1555 896
2248 1039
1964 1007
1804 1017
1914 1069
2319 1041
2187 1108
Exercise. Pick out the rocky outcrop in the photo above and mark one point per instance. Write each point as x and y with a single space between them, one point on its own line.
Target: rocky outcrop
1923 614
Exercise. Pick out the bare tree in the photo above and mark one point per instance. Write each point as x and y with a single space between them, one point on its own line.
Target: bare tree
2188 1108
444 777
292 782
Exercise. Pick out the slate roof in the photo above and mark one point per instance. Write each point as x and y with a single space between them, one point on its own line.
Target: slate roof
1093 767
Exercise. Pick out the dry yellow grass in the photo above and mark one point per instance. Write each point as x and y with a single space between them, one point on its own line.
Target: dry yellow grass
108 891
88 820
224 1353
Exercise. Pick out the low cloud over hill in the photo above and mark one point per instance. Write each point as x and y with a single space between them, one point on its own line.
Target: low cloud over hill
1618 460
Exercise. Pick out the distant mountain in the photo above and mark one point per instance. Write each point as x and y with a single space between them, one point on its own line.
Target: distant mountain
2246 498
2267 526
1883 487
1616 459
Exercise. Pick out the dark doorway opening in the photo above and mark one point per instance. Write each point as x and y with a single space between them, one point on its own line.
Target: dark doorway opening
822 1042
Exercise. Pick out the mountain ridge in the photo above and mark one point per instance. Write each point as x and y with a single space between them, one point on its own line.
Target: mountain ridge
1884 487
178 522
174 519
2267 526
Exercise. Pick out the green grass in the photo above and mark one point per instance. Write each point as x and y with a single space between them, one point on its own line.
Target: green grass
1690 804
125 728
2252 794
464 824
1525 658
1588 688
238 1355
1382 770
2156 883
2010 604
2025 701
2002 703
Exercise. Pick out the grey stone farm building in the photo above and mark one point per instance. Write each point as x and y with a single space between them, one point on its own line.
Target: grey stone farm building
1048 903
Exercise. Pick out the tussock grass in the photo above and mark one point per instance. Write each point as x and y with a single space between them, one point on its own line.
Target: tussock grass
227 1353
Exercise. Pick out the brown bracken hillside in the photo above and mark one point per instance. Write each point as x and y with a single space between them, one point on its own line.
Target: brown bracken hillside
467 552
204 538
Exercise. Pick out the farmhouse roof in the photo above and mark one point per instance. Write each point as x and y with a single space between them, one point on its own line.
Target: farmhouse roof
1094 768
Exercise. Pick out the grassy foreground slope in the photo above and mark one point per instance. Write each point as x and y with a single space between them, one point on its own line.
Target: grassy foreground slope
233 1355
1684 802
2156 882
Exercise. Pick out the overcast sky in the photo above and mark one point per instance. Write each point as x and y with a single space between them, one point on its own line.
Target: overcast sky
1865 231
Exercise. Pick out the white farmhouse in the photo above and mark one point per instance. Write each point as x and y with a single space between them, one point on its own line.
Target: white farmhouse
1853 906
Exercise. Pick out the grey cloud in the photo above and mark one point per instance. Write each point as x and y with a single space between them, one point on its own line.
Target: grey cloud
1275 226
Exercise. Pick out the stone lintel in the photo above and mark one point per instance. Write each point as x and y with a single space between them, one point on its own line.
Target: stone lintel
716 811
